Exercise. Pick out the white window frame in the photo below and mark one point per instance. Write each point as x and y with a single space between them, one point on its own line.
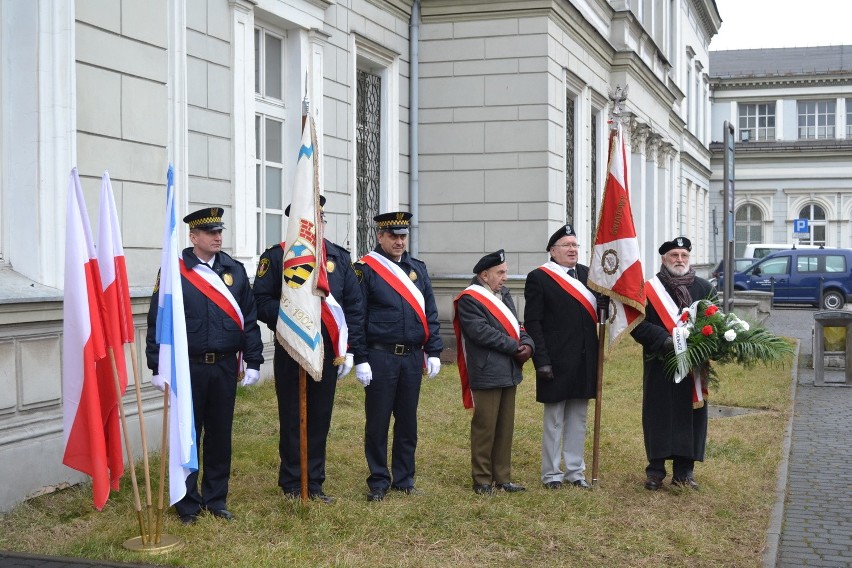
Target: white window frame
753 114
820 111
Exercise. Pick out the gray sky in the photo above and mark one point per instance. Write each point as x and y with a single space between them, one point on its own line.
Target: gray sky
749 24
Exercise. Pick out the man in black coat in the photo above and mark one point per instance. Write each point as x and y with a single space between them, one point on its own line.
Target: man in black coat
221 323
492 348
674 416
337 363
561 317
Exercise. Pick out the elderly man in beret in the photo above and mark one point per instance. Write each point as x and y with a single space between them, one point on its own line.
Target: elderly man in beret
674 416
492 348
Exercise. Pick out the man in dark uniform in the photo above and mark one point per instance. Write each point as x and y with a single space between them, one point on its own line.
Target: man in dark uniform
674 424
561 317
401 324
320 394
222 334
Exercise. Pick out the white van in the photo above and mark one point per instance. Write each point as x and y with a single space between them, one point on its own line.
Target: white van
759 250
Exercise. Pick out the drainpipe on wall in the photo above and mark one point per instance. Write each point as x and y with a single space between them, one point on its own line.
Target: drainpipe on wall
414 128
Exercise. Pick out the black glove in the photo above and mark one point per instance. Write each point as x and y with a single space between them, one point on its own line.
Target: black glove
545 373
523 354
668 346
603 305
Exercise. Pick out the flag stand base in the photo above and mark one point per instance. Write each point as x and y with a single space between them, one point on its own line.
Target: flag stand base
167 542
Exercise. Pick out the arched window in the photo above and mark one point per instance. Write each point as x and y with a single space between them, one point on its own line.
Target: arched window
748 227
816 224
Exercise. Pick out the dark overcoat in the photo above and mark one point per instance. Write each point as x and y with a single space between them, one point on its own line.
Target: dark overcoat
670 424
565 336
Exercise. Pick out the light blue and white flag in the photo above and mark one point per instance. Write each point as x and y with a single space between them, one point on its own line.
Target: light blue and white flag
174 356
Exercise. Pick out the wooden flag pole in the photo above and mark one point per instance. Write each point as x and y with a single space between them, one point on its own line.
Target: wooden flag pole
138 389
164 455
596 446
303 432
130 466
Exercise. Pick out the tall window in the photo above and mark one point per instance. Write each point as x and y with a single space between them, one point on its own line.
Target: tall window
757 121
368 153
816 119
748 227
593 186
816 224
269 137
848 119
570 166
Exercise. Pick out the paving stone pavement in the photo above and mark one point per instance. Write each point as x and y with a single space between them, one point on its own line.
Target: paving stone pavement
817 510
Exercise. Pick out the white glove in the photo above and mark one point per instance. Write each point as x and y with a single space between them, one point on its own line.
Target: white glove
158 383
251 377
363 373
344 368
433 365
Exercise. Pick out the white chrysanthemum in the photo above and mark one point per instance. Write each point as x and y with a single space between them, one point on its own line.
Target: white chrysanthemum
744 325
686 331
730 335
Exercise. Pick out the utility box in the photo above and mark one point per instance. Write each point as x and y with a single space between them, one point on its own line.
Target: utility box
826 322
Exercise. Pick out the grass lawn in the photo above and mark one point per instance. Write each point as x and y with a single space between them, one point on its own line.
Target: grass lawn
618 524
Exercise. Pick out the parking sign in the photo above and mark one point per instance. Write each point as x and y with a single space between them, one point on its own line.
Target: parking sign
800 228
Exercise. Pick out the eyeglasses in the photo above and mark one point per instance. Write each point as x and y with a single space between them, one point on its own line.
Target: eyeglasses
569 246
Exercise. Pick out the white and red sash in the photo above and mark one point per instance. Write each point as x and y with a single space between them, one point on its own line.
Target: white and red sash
402 284
573 286
669 314
208 283
334 320
501 313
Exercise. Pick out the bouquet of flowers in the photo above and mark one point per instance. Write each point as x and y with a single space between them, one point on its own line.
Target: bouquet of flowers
708 334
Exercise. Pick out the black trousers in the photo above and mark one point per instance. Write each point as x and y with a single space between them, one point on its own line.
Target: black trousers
214 392
320 400
394 391
681 467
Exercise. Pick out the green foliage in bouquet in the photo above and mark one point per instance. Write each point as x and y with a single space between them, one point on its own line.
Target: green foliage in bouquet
712 335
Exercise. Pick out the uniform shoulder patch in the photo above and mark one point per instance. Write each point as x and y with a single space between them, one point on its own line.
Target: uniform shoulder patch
263 267
359 274
157 283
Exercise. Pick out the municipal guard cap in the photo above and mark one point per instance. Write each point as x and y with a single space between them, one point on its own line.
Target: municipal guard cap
565 231
396 222
489 260
678 243
209 219
322 204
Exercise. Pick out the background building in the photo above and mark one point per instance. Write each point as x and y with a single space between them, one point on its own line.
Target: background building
792 114
486 119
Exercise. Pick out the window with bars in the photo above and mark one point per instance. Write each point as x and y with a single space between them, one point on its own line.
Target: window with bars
269 137
816 119
816 224
570 166
368 154
748 227
593 197
757 122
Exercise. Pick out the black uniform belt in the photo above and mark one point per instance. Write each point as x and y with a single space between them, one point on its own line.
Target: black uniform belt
395 348
210 358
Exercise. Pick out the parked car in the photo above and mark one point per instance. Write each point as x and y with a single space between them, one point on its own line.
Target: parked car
759 250
819 277
740 264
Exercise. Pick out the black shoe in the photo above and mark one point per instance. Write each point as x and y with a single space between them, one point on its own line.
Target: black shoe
408 490
511 487
553 485
322 497
222 514
484 489
653 482
377 495
189 519
581 483
687 482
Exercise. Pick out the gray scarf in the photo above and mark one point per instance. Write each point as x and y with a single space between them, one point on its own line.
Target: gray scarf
678 286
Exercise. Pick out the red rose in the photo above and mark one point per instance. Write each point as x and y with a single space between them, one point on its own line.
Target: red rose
711 309
707 330
684 316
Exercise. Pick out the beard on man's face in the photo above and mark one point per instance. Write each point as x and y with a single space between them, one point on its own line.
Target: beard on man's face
676 270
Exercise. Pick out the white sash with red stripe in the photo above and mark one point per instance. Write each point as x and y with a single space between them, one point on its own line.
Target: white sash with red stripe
335 323
402 284
669 314
501 313
573 286
208 283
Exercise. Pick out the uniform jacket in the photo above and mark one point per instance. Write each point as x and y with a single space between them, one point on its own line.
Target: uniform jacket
671 426
565 336
341 280
208 328
488 348
390 318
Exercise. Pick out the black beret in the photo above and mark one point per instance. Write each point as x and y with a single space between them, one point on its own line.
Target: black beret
209 219
322 204
489 260
396 222
566 231
678 243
